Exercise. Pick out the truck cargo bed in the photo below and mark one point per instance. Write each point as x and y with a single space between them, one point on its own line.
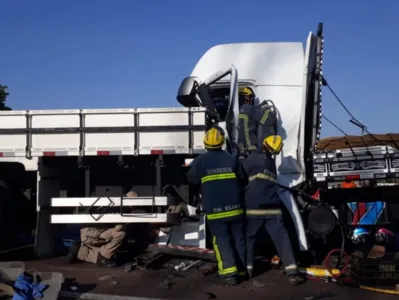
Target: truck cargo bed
357 158
101 132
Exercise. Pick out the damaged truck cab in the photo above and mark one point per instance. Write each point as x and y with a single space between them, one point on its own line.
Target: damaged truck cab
289 76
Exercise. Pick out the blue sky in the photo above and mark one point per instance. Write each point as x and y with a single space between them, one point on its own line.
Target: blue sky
134 53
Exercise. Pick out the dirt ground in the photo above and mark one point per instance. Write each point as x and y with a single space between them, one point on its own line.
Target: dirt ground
161 284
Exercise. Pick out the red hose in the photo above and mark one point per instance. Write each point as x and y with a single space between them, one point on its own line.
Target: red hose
346 263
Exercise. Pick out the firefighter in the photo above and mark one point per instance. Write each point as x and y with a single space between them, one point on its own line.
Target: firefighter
222 179
256 122
264 207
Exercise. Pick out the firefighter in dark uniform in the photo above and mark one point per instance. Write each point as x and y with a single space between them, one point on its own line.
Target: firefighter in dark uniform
264 207
222 180
256 122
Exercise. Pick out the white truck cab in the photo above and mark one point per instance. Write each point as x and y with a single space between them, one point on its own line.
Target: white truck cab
285 73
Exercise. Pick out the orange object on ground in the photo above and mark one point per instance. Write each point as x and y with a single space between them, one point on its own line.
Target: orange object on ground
348 185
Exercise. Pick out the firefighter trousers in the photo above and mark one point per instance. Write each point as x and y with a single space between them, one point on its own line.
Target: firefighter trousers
228 238
274 225
97 241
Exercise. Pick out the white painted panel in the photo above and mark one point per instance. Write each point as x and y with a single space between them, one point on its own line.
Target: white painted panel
96 202
199 118
114 218
109 120
164 140
12 121
64 141
163 119
111 141
198 140
55 121
12 143
29 164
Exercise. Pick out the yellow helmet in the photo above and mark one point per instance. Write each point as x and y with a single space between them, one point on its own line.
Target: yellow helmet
273 143
214 138
245 91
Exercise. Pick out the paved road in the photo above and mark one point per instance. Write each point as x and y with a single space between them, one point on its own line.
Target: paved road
161 284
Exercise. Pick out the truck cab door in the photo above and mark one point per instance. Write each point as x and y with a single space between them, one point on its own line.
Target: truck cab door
195 92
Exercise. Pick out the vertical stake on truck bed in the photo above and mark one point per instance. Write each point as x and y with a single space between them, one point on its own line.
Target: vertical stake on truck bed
190 131
158 177
136 136
81 139
28 135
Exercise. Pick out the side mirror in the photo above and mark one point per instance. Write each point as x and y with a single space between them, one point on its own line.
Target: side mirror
186 95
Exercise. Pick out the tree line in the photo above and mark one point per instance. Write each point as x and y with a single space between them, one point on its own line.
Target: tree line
3 97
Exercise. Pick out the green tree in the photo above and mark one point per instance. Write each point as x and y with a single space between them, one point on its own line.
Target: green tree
3 97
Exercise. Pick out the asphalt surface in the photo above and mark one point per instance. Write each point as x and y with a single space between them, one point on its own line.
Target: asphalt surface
89 279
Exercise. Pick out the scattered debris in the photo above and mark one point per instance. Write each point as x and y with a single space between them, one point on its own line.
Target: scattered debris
255 286
184 267
105 277
143 261
130 267
166 284
73 288
211 295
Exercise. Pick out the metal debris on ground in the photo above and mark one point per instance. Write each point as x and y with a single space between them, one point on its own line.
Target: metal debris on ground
130 267
185 266
255 286
320 296
105 277
143 261
73 288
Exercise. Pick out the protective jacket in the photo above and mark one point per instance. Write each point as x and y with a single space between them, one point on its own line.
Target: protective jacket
261 194
256 123
223 179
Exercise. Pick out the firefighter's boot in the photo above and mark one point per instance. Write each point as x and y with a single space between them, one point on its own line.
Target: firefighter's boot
296 279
